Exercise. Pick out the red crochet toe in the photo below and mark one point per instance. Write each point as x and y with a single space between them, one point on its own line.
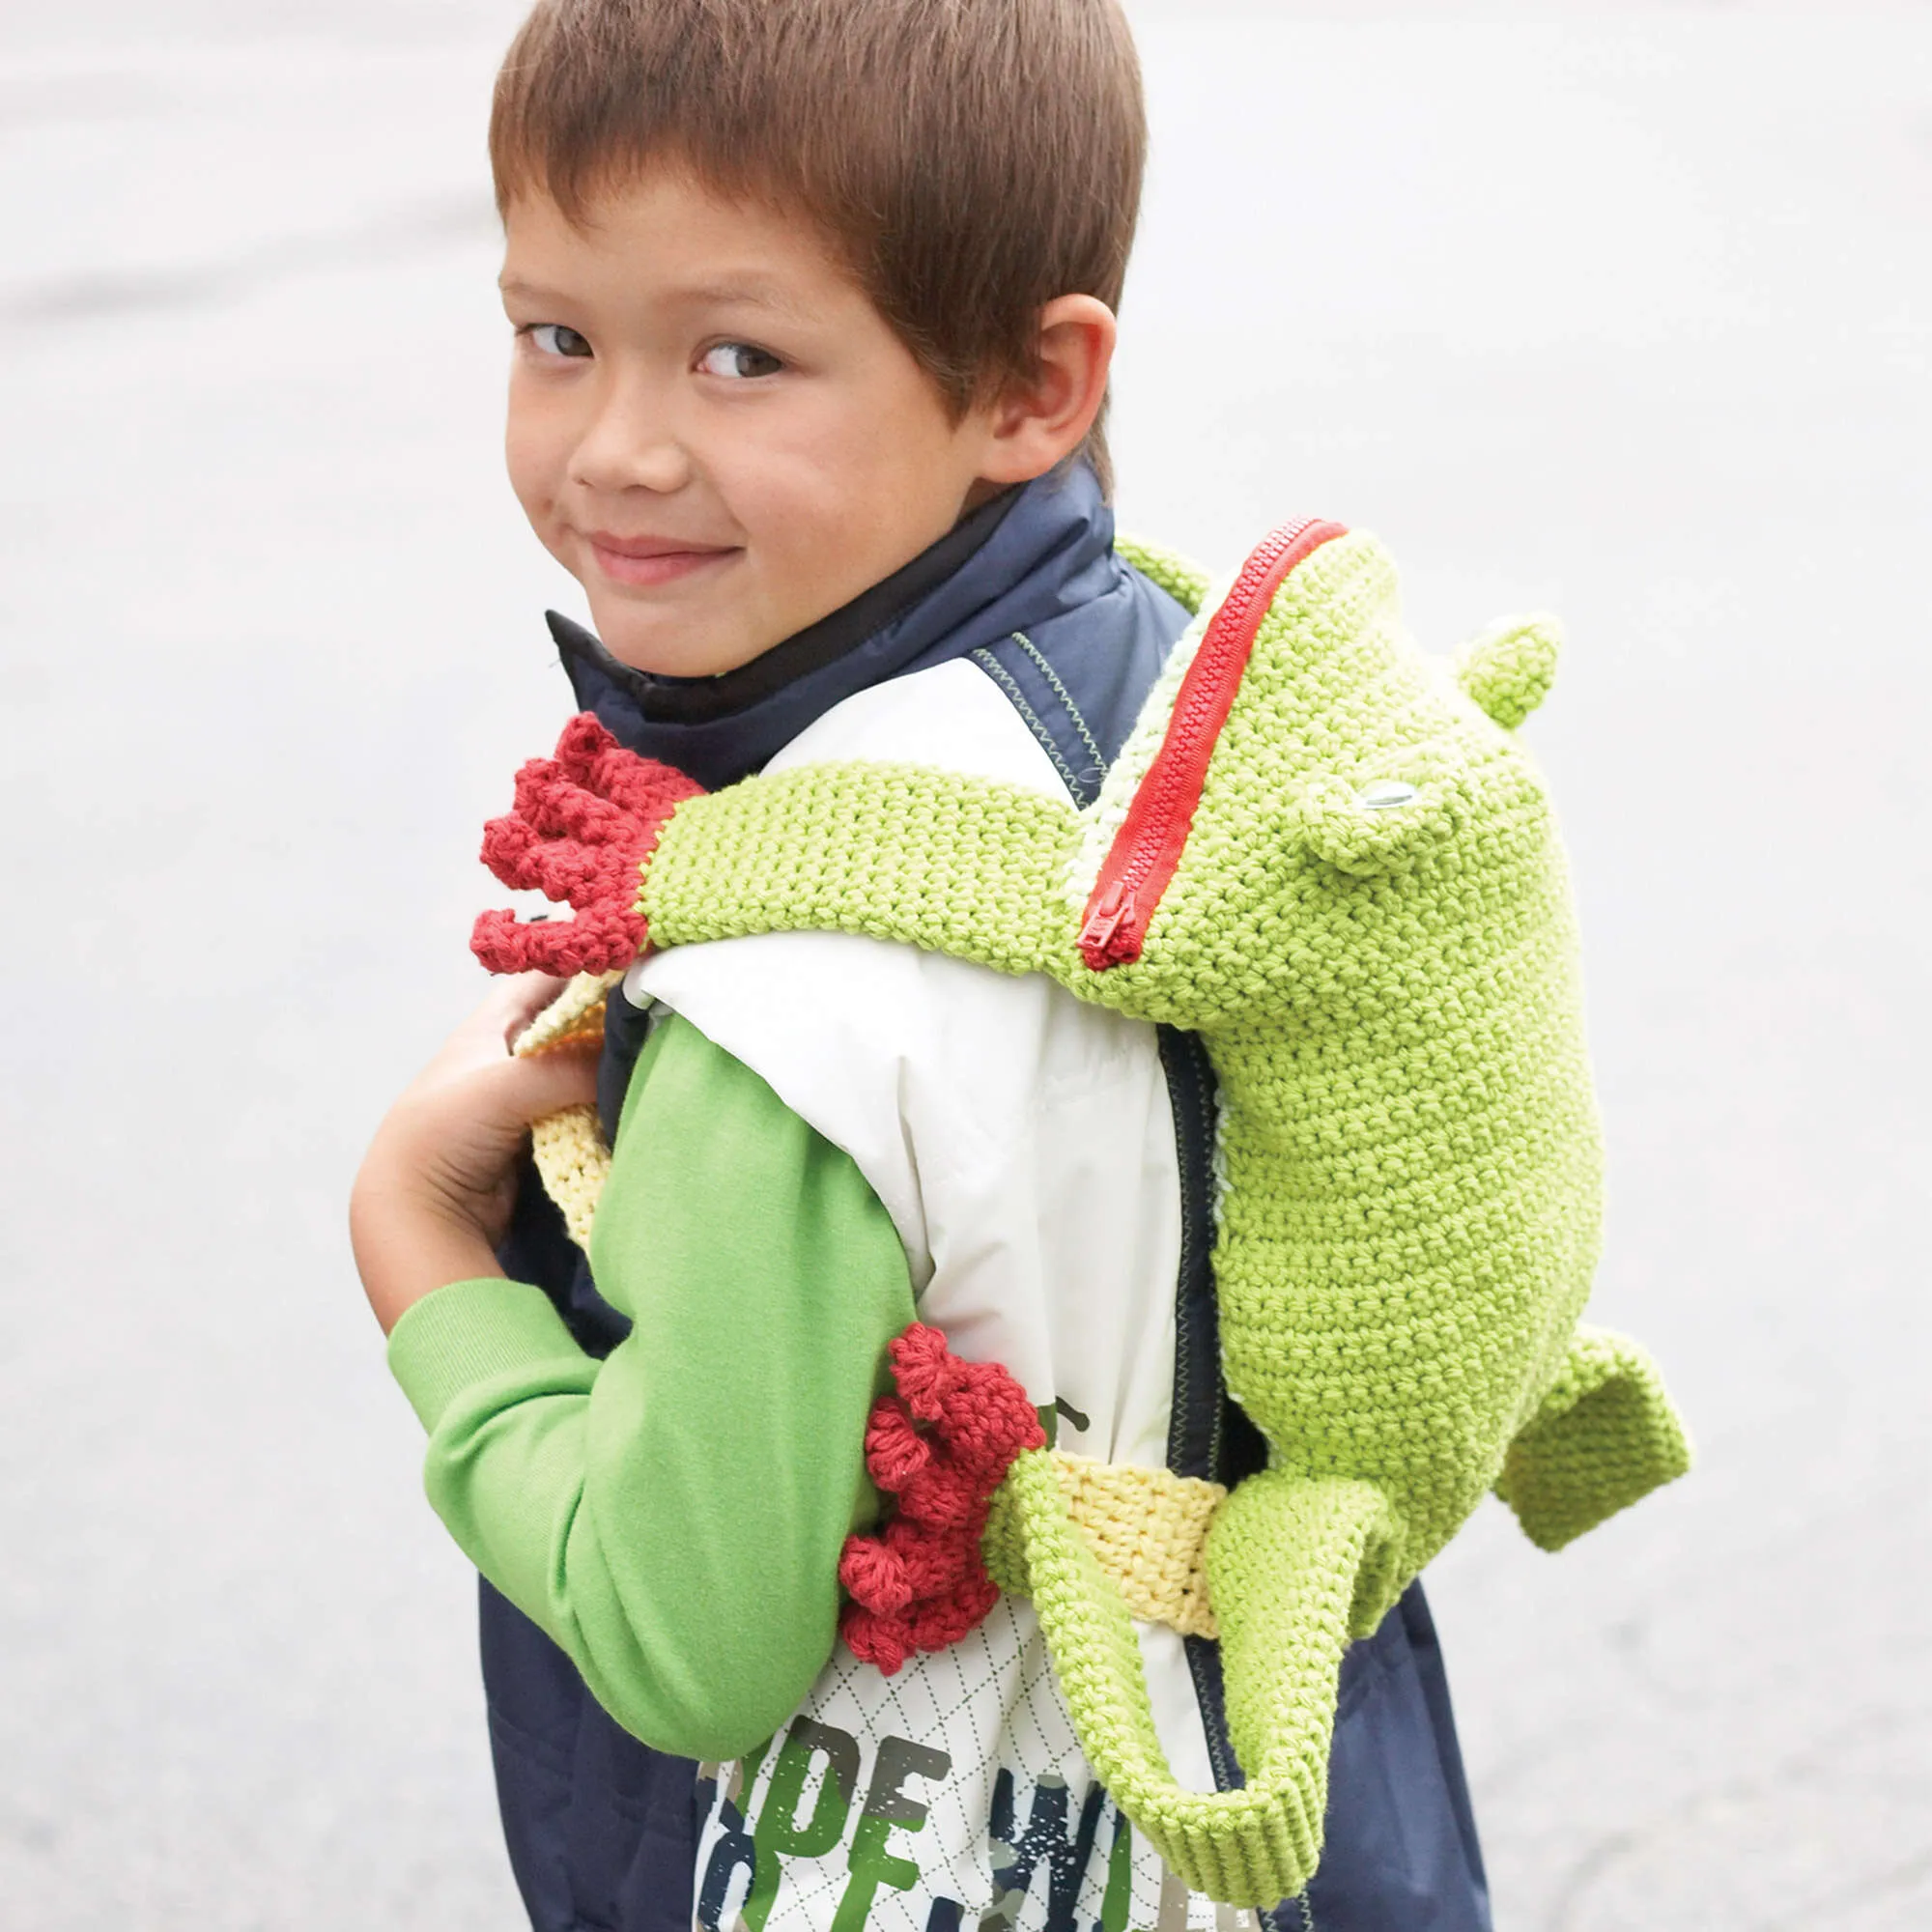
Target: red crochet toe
584 824
939 1450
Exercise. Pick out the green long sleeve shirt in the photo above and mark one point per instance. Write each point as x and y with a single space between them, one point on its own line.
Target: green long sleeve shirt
673 1516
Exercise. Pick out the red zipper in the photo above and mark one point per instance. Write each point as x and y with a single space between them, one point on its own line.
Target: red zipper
1147 848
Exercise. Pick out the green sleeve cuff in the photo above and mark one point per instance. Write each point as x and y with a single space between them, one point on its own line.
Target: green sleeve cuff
467 1333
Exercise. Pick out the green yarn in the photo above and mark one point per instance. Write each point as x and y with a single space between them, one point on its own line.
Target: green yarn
1185 582
1509 667
930 859
1408 1215
1604 1438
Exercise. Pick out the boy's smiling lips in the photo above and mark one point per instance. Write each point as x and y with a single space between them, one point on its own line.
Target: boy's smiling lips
649 560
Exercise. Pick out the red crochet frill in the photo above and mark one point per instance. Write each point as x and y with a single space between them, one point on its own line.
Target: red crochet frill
939 1449
584 824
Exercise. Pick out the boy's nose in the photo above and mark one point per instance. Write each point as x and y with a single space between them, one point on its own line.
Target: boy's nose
630 444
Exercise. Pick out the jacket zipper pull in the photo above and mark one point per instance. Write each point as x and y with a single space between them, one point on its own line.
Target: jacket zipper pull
1102 943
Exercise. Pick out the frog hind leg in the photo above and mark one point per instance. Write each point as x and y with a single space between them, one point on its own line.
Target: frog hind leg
1606 1436
1295 1567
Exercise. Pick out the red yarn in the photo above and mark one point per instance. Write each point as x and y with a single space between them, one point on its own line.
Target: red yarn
939 1448
584 823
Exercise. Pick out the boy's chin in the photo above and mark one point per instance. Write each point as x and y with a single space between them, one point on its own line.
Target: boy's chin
663 645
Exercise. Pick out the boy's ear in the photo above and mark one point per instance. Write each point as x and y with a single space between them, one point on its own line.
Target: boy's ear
1031 426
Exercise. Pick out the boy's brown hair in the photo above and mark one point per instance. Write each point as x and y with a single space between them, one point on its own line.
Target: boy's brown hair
971 159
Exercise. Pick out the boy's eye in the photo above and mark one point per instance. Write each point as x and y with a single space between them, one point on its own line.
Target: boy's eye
739 360
553 338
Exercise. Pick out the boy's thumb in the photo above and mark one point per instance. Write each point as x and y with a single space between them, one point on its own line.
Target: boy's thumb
560 1076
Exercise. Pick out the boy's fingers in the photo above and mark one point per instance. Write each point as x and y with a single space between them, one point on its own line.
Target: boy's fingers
547 1083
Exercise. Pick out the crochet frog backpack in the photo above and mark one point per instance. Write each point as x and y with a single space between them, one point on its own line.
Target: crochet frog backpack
1327 855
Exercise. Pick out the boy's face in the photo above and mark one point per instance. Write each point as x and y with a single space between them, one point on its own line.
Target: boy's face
711 427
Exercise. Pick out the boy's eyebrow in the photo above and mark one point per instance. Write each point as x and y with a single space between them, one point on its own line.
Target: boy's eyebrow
743 292
738 291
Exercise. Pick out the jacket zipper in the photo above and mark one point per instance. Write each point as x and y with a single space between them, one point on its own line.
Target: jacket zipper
1141 862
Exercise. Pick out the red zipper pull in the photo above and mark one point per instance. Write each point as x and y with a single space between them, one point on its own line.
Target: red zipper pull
1102 941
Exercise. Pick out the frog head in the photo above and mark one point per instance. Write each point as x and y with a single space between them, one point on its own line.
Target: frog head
1312 810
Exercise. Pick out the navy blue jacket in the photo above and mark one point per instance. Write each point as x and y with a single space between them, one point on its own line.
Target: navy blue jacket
603 1830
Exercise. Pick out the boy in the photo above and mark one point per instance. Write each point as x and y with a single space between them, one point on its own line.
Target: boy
814 303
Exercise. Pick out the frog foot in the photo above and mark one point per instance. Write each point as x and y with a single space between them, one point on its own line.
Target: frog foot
939 1448
1297 1566
1606 1436
583 825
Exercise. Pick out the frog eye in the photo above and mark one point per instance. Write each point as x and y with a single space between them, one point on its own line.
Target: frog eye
1382 827
1387 795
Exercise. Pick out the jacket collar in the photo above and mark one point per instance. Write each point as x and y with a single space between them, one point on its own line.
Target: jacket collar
1025 557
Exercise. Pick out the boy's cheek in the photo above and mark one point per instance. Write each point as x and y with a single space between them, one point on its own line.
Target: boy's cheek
529 477
539 507
536 451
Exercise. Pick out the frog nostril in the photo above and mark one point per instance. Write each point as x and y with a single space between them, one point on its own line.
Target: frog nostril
1385 795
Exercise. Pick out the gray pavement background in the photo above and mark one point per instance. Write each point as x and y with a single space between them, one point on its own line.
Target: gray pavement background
1628 313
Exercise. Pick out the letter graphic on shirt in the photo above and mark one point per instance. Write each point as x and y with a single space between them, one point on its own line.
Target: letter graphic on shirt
889 1806
778 1832
1120 1877
734 1848
1045 1840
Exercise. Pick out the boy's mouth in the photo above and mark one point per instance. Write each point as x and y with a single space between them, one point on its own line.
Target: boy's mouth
649 560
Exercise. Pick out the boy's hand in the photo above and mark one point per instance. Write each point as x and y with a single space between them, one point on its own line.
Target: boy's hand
436 1188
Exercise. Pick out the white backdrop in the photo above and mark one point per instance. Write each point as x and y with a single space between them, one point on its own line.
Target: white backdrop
1626 313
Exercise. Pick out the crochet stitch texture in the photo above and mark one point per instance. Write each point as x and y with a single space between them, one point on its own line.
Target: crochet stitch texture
584 821
572 1159
920 1582
1328 855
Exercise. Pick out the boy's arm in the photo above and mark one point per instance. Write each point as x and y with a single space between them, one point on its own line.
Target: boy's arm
673 1516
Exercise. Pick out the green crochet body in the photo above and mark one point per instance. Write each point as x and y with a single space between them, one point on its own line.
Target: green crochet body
1364 911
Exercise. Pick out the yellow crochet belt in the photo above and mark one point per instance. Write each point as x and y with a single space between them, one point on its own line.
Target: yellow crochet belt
1148 1528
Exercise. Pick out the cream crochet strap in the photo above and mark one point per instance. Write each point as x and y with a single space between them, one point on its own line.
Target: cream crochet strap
572 1159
